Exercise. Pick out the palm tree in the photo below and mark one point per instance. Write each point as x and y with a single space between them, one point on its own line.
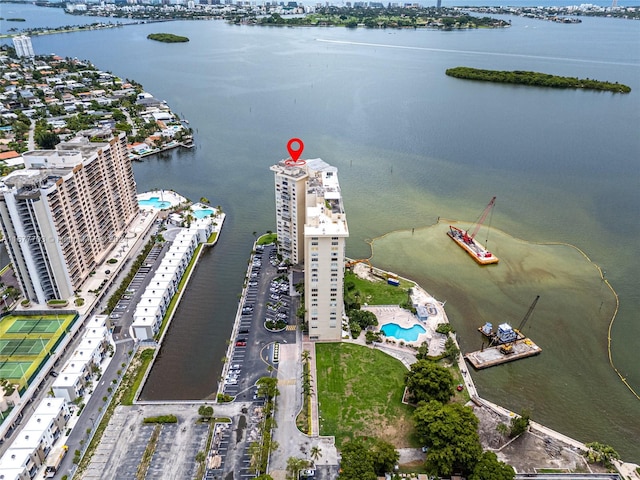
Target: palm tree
306 355
316 453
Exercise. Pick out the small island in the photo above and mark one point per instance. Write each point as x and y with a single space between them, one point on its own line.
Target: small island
167 38
535 79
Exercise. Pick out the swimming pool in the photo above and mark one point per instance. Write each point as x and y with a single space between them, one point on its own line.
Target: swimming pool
406 334
154 202
205 212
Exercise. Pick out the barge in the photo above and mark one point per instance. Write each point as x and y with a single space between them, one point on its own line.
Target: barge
468 242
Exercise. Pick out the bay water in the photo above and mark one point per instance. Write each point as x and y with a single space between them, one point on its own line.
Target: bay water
412 145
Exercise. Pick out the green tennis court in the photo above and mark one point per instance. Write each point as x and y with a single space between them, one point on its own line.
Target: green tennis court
27 342
24 347
14 370
39 325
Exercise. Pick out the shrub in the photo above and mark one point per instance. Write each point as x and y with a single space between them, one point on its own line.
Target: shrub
444 328
161 419
355 329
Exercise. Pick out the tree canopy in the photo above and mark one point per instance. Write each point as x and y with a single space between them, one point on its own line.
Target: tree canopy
356 463
519 424
294 465
535 78
205 411
268 386
385 457
364 318
167 38
451 433
601 453
46 140
490 468
428 381
367 459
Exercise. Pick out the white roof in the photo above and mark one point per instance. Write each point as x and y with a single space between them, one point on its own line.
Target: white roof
50 406
160 283
15 458
147 321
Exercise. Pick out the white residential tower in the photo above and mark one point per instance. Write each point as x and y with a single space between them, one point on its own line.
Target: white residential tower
312 229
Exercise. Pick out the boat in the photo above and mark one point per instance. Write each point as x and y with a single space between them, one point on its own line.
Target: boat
468 242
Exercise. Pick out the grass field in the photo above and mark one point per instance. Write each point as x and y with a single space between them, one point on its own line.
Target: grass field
379 293
359 394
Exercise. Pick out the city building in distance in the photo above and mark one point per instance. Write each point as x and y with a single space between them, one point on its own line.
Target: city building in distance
63 213
312 229
23 46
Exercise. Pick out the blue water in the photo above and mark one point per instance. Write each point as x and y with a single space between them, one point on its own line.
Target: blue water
205 212
406 334
155 202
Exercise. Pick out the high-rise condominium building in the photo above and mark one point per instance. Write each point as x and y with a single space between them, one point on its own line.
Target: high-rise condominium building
312 229
23 46
290 204
65 212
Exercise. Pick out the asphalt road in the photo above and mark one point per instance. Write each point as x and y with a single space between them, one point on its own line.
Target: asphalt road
95 406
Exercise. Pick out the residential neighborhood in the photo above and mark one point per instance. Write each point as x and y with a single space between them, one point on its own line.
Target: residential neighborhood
48 99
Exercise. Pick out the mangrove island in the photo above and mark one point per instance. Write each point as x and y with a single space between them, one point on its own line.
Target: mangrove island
167 38
535 79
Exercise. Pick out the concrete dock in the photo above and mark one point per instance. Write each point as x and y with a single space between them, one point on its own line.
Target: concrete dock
492 356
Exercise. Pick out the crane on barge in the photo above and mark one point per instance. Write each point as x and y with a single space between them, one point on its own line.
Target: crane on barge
468 242
517 334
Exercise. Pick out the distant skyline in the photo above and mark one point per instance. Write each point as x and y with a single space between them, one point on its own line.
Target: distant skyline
445 3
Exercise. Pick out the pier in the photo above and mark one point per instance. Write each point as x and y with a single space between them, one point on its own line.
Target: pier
491 356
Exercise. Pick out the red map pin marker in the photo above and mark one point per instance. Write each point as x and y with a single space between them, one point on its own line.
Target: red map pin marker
295 153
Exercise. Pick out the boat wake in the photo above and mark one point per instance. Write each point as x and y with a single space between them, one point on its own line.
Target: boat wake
473 52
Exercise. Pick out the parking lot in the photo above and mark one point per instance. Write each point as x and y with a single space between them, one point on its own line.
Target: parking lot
266 301
266 298
126 438
122 314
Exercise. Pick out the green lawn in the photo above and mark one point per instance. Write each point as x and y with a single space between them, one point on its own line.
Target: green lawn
379 293
359 392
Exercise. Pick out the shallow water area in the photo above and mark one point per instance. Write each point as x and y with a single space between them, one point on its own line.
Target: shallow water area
574 309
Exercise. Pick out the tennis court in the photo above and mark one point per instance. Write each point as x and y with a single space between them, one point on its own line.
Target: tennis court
27 341
38 325
22 348
14 370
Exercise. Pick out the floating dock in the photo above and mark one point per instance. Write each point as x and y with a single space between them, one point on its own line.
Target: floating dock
492 356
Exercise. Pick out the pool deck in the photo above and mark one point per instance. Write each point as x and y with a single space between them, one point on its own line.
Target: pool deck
170 196
406 319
